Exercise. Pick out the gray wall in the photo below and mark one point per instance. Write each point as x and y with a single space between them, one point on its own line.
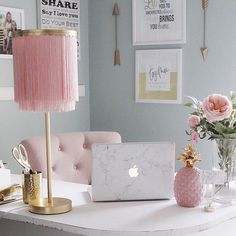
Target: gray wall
16 125
112 88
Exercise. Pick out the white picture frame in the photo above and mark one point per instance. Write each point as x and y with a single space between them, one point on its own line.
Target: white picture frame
11 19
61 15
6 93
158 77
157 22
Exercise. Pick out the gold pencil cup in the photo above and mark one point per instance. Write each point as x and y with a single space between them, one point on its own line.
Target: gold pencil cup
32 187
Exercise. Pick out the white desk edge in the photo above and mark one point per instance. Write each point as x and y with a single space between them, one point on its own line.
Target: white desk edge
119 218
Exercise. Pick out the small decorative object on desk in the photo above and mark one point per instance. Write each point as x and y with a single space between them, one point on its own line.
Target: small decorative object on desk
5 176
215 118
32 180
32 188
188 187
2 165
10 194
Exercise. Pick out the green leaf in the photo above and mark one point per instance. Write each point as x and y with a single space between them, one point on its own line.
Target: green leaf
212 130
231 136
188 104
195 113
193 99
188 133
203 121
232 95
221 129
211 138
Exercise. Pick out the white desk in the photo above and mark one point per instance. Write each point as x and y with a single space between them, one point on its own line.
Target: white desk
122 218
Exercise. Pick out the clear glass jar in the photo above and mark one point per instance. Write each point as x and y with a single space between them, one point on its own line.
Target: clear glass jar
225 161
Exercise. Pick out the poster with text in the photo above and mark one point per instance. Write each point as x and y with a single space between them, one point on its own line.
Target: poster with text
60 14
159 22
159 76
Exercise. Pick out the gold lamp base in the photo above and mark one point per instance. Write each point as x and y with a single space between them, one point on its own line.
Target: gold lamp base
58 206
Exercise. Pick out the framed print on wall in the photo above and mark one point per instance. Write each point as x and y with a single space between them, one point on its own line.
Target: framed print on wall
158 76
159 22
11 19
64 14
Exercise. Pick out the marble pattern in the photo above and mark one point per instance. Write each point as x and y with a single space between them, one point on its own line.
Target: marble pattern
111 165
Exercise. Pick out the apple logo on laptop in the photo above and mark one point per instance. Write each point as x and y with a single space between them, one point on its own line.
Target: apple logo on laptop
133 172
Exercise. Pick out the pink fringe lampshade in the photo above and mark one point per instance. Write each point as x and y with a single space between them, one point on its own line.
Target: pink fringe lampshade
45 70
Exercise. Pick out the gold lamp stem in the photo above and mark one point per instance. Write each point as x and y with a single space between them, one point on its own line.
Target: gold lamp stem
50 205
49 156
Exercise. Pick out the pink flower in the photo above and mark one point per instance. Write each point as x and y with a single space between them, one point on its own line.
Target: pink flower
217 107
193 121
195 137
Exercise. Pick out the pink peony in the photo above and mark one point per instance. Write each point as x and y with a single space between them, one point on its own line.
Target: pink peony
217 107
193 121
195 137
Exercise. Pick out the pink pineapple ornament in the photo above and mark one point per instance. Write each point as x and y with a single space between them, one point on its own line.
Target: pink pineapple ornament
188 187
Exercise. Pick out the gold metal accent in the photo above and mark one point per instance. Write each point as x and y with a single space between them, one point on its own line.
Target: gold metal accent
32 187
49 205
48 155
204 4
50 32
59 206
204 49
209 208
116 13
116 10
190 156
117 57
9 190
3 202
204 52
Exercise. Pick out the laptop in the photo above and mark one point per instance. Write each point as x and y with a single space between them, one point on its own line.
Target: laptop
133 171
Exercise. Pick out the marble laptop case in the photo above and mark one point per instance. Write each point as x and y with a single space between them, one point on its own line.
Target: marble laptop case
133 171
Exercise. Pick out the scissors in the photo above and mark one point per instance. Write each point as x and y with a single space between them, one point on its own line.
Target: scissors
20 155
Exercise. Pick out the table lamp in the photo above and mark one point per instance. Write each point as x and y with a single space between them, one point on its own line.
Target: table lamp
45 79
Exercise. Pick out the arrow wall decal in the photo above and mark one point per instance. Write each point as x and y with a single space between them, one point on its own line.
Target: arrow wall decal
204 49
116 13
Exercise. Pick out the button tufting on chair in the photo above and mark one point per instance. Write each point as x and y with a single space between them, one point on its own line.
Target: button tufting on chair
78 150
76 167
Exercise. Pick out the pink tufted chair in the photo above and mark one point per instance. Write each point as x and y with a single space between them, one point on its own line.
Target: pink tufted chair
71 154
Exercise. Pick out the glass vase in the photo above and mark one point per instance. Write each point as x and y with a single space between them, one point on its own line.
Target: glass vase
225 163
